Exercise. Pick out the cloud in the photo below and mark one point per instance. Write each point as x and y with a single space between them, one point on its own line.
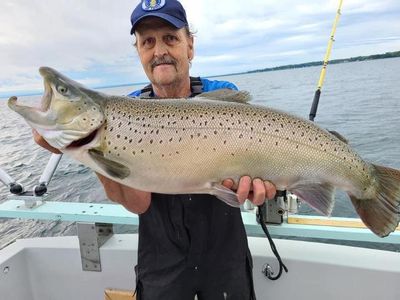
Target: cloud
90 40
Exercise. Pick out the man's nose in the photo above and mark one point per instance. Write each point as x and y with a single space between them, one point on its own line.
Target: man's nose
160 49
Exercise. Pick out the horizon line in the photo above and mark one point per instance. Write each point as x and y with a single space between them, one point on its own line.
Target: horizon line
393 54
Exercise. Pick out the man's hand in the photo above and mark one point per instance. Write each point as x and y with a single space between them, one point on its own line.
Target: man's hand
42 142
255 190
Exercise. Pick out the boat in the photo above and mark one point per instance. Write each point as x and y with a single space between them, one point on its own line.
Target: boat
97 264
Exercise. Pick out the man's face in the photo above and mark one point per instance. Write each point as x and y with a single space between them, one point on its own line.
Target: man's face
165 52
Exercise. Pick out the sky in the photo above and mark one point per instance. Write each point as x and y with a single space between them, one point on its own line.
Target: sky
90 41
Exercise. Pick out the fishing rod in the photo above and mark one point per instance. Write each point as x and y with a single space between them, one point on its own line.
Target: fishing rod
262 218
317 95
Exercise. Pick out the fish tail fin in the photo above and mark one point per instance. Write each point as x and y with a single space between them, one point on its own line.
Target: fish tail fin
381 212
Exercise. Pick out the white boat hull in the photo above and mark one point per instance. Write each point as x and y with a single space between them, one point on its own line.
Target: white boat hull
50 268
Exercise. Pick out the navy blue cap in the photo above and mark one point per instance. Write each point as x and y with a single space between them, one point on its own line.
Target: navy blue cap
171 11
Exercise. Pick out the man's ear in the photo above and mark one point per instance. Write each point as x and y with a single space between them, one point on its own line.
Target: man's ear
191 48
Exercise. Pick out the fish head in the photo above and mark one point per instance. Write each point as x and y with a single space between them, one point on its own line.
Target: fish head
69 112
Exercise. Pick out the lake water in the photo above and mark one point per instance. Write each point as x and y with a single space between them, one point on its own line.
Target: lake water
360 100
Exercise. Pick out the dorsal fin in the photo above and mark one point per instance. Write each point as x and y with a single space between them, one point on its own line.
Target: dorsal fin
227 95
339 136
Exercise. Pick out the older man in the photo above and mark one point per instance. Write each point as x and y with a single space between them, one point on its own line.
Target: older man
188 244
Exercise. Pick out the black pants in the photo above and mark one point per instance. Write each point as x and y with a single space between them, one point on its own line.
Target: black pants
204 284
192 245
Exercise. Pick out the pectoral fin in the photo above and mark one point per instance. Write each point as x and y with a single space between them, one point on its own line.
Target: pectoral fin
112 168
225 194
227 95
319 196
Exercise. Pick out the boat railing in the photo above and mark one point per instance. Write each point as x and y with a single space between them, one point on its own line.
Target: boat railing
95 220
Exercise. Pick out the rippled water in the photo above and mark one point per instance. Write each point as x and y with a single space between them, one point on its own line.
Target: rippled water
360 100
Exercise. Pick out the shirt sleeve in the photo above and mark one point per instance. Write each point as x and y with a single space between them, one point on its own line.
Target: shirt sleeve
134 94
212 85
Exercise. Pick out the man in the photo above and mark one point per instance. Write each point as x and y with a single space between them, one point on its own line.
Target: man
188 244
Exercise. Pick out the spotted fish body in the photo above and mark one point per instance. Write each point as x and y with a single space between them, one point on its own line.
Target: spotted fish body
179 142
191 145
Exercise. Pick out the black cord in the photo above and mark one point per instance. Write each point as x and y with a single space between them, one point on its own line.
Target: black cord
273 247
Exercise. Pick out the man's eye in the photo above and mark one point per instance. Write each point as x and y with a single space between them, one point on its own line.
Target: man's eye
149 42
171 39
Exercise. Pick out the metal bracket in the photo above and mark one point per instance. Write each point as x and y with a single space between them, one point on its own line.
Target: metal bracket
272 211
30 201
91 237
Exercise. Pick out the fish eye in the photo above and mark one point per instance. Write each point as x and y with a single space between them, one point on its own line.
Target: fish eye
62 89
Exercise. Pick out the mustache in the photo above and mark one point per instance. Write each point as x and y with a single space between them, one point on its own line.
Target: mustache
163 60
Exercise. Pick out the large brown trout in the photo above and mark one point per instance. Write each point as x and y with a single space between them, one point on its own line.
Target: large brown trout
189 146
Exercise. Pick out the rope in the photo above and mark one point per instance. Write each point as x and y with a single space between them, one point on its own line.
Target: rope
267 272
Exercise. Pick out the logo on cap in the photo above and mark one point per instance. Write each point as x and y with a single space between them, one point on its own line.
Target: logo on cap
150 5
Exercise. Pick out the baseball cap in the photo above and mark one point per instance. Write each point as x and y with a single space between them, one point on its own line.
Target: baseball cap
171 11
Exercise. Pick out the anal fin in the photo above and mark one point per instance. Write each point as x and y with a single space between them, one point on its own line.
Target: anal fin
319 196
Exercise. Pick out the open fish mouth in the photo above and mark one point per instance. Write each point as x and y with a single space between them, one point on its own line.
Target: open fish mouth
48 92
83 141
46 98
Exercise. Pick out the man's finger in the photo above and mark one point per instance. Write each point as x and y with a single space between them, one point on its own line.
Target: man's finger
228 183
270 190
259 191
243 188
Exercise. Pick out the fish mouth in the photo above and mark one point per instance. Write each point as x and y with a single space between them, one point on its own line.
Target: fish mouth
83 141
48 92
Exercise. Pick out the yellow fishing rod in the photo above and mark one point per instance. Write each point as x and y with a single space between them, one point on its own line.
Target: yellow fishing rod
317 94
